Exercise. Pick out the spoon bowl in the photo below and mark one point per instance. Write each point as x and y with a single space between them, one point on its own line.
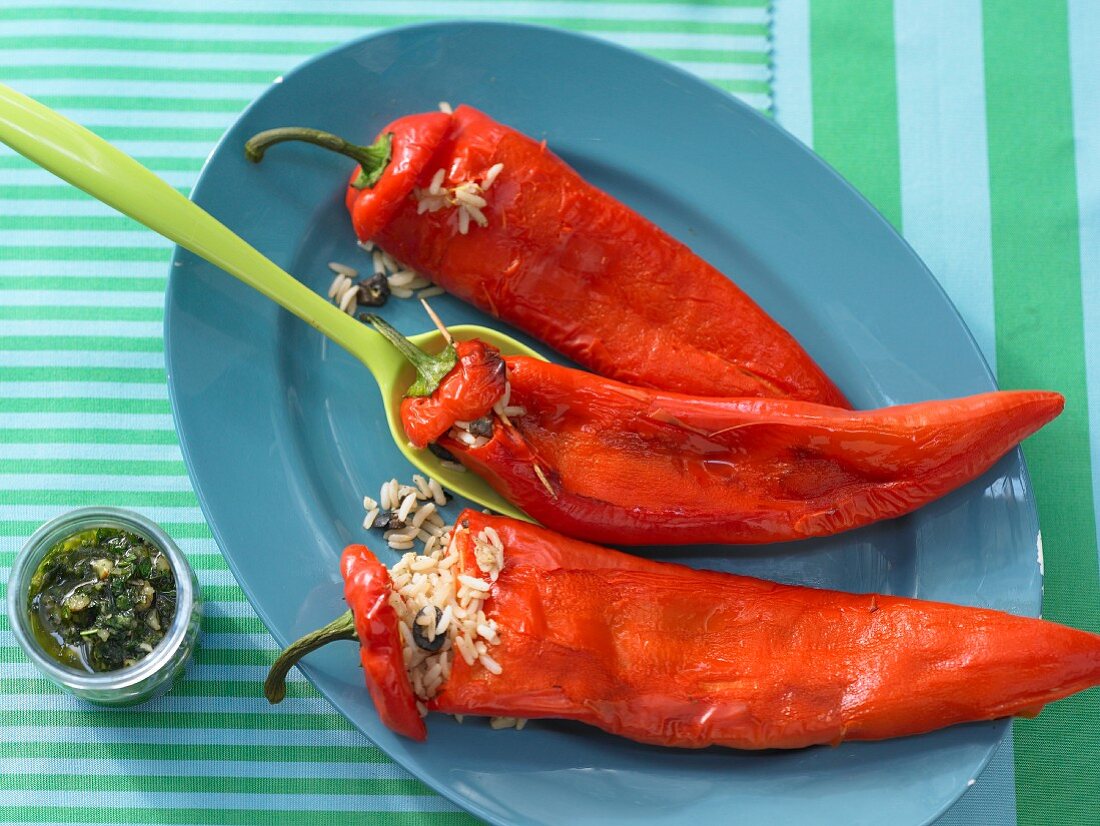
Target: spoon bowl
88 162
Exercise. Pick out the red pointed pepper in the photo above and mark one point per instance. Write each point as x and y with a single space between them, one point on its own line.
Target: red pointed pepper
565 262
668 655
600 460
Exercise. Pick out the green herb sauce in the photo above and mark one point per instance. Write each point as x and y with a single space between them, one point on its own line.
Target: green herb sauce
102 599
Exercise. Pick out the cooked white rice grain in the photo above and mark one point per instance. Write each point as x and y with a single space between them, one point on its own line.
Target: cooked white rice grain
463 221
455 466
369 503
423 513
348 301
368 522
491 176
473 583
466 196
343 269
490 533
431 292
334 288
438 496
436 186
379 262
407 504
421 483
491 665
476 215
418 283
445 107
401 278
515 410
401 292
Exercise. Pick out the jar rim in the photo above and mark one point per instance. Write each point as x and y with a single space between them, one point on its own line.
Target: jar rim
47 536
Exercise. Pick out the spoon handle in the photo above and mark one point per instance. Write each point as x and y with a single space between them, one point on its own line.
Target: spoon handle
88 162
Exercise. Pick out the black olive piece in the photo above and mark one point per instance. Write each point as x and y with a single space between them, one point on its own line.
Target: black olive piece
482 427
419 631
388 521
441 452
374 291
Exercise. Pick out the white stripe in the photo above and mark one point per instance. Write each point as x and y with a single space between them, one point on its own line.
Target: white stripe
111 801
81 390
81 238
81 269
204 768
179 149
79 298
40 177
231 737
79 358
944 160
1084 29
82 481
90 451
792 83
139 88
68 329
129 421
43 513
57 206
354 28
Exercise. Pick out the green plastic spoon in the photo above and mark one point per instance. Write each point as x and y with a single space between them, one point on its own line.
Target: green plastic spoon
89 163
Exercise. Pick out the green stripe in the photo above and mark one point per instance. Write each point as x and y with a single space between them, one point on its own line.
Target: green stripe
1040 343
145 104
69 71
309 47
262 721
220 784
114 223
114 498
288 753
92 405
213 625
855 106
92 283
762 87
226 817
136 344
124 375
86 435
55 312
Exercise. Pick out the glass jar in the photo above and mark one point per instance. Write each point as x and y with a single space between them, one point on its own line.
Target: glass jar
157 671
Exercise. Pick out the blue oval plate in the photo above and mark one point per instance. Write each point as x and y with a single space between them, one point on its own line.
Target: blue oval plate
283 433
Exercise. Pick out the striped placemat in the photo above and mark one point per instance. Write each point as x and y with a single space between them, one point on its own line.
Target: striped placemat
84 417
975 128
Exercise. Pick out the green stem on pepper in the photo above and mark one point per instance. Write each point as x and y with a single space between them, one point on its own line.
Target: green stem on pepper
430 369
372 159
341 628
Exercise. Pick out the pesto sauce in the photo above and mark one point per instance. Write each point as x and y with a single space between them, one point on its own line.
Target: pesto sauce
102 599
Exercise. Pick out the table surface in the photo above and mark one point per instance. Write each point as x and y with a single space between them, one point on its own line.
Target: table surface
974 127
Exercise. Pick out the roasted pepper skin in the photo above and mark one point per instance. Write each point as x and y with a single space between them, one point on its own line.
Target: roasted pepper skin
367 588
632 466
577 269
672 656
468 392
